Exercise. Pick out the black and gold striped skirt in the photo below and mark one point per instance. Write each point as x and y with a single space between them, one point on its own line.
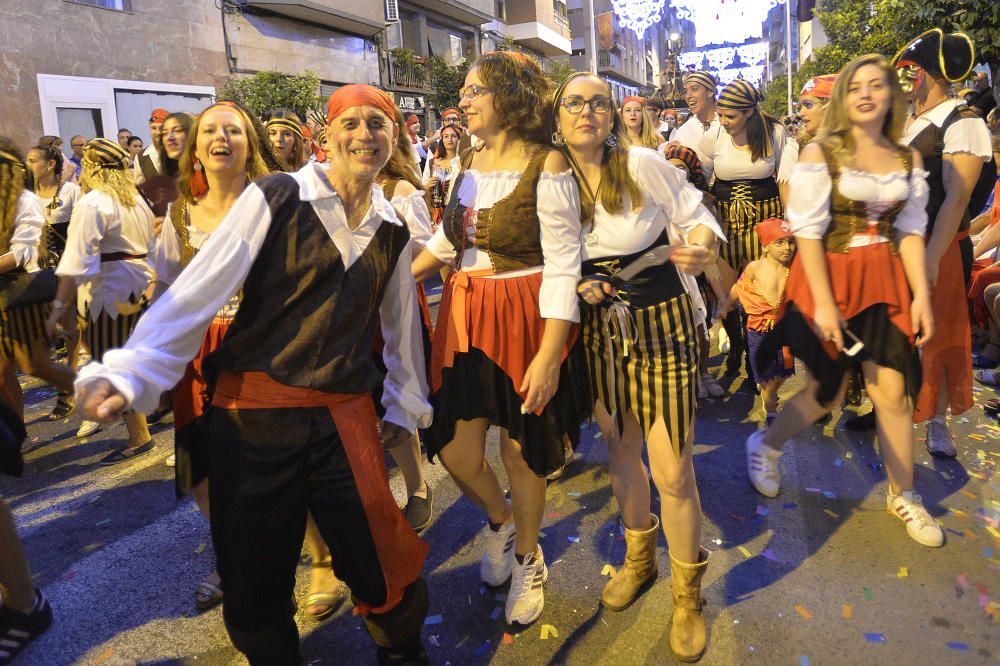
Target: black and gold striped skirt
23 328
106 333
644 361
742 206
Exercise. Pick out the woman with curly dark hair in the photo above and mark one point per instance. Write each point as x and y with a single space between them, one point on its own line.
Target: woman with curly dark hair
508 319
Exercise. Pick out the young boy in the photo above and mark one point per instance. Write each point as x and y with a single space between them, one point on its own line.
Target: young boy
761 290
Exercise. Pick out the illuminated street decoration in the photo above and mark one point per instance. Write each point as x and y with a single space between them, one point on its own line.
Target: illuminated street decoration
746 61
637 15
724 21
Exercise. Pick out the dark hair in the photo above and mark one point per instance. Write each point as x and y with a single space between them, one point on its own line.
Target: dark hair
122 129
520 92
439 150
48 139
171 167
134 138
300 154
49 152
760 133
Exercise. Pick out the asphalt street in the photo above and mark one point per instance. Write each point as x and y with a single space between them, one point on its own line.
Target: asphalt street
819 575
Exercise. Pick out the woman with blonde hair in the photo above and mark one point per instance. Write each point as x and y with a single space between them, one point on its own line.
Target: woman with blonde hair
641 341
636 128
857 292
106 265
508 319
284 132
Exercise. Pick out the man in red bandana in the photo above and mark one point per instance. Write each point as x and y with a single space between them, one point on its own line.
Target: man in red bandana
321 259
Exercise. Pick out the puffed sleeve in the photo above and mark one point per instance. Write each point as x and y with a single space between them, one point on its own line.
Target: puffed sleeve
559 214
786 153
671 191
808 207
87 226
29 219
970 136
912 220
413 209
167 253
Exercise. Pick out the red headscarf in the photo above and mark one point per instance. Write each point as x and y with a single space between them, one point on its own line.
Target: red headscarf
820 87
358 94
451 111
412 120
772 229
633 98
158 115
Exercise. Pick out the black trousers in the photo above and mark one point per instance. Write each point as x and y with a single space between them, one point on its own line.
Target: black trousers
268 468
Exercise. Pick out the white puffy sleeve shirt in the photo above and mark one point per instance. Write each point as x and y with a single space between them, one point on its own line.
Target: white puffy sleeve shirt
417 216
171 332
808 207
559 216
29 219
101 225
731 162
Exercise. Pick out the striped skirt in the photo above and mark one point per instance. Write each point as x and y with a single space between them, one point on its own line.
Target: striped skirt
23 328
646 365
739 215
105 333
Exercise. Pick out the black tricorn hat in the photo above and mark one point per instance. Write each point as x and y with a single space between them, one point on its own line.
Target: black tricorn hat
950 57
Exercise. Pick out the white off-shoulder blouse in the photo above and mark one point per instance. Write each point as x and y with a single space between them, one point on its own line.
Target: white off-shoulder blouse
731 162
559 215
811 187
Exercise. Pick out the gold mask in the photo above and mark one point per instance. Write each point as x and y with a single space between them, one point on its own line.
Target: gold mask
908 75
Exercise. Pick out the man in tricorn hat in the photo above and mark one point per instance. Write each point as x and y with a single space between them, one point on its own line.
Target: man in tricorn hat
955 144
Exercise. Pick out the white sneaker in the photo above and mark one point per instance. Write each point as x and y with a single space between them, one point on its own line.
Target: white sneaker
909 508
88 428
940 442
498 559
762 465
172 460
527 599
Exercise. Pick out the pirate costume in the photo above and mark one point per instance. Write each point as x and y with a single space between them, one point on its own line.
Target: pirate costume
693 131
292 423
24 327
107 253
947 128
860 217
642 345
513 242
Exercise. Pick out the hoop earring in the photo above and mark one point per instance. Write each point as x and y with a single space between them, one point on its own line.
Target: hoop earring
558 139
611 141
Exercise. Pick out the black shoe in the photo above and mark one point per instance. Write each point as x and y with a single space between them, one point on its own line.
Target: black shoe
419 511
18 629
862 423
158 415
412 654
123 455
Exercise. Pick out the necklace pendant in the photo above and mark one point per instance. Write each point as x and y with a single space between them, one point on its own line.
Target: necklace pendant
591 239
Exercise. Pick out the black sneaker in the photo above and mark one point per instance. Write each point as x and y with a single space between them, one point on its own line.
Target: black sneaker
419 511
17 629
861 423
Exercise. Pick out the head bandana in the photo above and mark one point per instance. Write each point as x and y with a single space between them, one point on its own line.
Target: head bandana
690 160
412 120
820 87
772 229
105 154
632 98
158 115
739 95
286 124
358 94
451 112
704 79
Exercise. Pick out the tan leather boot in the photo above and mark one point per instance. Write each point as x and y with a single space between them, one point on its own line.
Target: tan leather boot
687 626
638 572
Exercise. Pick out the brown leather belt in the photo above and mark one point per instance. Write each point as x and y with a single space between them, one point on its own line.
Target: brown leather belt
120 256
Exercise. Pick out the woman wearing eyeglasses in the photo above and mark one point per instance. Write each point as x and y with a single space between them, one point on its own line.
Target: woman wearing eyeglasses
641 341
813 100
857 292
503 351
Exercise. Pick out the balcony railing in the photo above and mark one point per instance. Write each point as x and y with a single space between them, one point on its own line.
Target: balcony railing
409 74
609 59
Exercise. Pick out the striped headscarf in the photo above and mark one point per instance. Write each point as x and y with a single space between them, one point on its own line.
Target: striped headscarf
702 78
105 154
690 160
286 124
740 95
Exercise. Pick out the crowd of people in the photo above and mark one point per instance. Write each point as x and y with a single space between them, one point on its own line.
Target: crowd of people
263 279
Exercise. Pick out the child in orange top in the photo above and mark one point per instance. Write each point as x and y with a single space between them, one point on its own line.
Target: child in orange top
761 290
